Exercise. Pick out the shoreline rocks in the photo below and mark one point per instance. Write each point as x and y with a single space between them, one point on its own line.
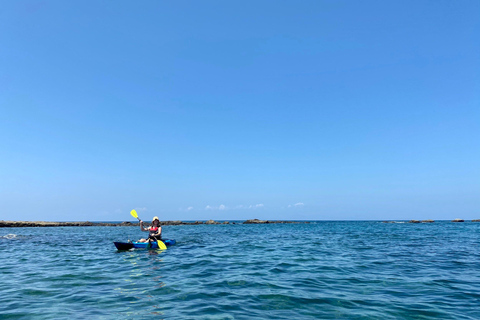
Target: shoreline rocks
427 221
421 221
256 221
23 224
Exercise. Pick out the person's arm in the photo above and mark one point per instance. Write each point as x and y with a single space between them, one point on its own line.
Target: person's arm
141 226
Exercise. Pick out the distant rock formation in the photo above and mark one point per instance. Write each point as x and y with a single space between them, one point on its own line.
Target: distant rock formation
48 224
6 224
256 221
14 224
476 220
411 221
171 223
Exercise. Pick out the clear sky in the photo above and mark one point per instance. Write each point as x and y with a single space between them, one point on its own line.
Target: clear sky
239 109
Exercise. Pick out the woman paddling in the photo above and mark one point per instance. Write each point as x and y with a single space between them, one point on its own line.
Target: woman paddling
155 230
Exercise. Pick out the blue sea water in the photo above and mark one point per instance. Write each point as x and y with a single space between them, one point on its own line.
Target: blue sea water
319 270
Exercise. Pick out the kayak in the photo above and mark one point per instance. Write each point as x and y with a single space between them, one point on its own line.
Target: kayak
142 245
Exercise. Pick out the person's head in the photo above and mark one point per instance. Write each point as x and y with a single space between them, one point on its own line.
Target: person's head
155 221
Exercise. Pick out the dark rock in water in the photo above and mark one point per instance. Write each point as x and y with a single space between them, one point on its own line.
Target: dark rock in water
171 223
414 221
255 221
388 221
428 221
458 220
476 220
22 224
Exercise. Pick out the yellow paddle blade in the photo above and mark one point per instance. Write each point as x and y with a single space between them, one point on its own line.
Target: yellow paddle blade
134 213
161 245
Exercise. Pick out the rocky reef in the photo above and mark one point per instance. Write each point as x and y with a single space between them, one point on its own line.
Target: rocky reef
421 221
411 221
430 221
256 221
14 224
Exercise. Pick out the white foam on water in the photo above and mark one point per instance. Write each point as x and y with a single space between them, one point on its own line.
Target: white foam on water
9 236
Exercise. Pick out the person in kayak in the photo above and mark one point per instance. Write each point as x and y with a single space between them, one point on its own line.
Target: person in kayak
155 230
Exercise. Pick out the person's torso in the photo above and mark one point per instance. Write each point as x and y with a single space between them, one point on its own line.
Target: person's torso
153 230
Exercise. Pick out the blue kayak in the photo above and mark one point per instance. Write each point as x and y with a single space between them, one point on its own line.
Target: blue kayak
142 245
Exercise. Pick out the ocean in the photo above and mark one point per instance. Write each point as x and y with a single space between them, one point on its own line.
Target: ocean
316 270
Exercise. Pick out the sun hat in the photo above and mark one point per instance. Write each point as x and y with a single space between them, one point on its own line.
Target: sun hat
155 218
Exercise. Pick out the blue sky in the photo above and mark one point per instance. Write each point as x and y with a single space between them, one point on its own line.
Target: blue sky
236 110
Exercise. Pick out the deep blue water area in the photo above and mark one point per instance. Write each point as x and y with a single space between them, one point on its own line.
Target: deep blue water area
319 270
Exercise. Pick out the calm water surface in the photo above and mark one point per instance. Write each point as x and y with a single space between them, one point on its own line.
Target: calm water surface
323 270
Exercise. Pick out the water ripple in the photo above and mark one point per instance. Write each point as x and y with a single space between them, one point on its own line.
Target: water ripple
327 270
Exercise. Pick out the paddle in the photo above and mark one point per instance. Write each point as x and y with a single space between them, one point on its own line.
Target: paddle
161 245
134 214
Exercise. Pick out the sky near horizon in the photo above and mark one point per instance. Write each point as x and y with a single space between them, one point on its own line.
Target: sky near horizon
189 110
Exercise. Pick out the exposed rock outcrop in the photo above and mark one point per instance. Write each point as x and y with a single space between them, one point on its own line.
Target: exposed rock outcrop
458 220
256 221
171 223
14 224
49 224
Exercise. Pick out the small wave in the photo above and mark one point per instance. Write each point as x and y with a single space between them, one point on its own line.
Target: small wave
9 236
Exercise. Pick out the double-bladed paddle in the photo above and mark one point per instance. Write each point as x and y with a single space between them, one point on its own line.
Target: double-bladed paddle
161 245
